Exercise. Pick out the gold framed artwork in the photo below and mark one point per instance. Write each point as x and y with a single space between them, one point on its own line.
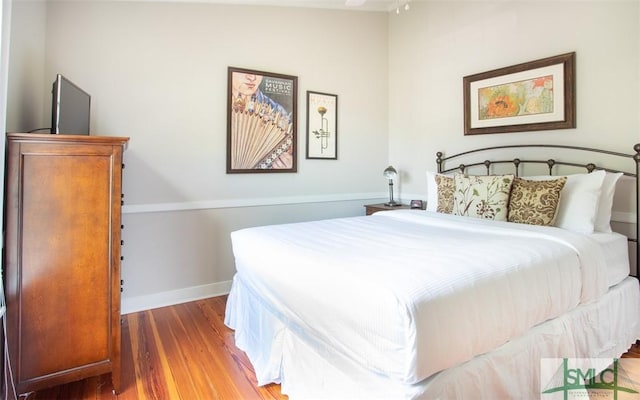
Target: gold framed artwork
261 121
322 126
532 96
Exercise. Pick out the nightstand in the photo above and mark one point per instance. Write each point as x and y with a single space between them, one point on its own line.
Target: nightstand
373 208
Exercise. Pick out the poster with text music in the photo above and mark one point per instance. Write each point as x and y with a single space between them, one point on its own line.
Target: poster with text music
261 121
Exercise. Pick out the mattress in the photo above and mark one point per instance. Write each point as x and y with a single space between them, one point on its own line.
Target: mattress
398 293
615 248
309 370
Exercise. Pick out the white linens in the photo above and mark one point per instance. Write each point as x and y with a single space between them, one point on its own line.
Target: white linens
409 293
615 248
601 329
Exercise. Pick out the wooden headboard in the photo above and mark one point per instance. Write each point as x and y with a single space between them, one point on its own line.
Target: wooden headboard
474 158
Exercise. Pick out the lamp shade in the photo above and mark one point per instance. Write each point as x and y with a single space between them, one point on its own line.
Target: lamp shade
390 172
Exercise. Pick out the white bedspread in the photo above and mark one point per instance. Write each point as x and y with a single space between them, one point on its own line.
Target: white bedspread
410 293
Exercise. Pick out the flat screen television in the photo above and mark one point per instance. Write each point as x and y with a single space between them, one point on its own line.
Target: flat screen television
70 108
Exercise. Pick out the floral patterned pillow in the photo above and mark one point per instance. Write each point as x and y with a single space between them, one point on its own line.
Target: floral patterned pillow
535 202
484 196
446 188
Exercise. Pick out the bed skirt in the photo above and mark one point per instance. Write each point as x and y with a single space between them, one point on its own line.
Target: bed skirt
281 352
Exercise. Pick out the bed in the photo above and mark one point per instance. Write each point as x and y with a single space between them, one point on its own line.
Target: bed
412 304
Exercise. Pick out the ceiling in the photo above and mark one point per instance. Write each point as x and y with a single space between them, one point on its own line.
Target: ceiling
357 5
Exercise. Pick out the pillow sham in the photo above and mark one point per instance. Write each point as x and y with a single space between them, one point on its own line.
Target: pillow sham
578 201
482 196
605 203
439 192
535 202
446 190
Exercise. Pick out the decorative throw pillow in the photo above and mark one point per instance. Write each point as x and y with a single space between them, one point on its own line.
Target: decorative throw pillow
535 202
578 201
446 189
445 184
482 196
432 191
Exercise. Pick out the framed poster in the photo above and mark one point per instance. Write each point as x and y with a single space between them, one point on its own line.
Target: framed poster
261 121
537 95
322 126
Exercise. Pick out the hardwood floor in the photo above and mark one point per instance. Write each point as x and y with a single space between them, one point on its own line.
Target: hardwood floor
180 352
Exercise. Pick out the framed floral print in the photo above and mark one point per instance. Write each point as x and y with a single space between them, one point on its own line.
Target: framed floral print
537 95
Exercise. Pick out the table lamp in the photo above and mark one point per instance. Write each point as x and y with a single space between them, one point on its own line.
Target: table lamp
390 173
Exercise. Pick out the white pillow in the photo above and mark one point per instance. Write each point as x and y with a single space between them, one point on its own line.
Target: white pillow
605 204
578 201
432 192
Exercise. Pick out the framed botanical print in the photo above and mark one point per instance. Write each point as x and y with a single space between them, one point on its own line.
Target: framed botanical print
322 126
261 121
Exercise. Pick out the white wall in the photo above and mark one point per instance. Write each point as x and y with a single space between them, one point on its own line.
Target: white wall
159 75
5 34
157 72
435 45
27 87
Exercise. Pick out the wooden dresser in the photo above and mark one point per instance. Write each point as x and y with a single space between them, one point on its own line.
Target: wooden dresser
63 198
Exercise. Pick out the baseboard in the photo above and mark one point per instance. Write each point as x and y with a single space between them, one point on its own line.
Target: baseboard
172 297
